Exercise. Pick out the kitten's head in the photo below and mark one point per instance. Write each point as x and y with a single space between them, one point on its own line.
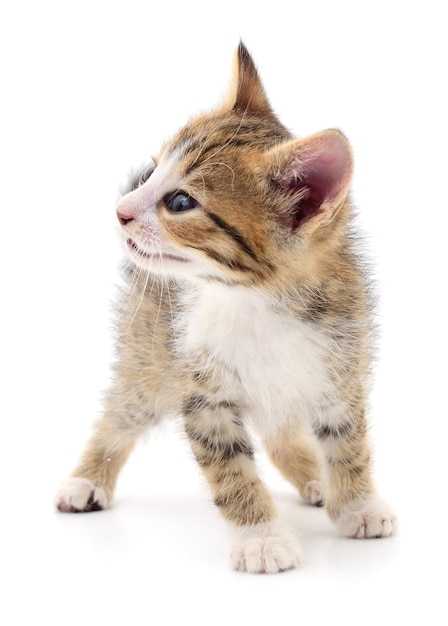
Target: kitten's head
234 197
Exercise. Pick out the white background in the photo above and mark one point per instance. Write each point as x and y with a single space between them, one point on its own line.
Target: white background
89 89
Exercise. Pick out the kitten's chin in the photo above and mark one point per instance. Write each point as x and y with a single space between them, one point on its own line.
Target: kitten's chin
153 260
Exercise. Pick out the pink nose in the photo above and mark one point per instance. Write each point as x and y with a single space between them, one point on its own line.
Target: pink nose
125 210
123 219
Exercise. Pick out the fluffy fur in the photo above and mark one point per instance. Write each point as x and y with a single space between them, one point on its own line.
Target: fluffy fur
245 302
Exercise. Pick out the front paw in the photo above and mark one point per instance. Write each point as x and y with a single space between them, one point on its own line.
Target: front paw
265 549
80 495
369 519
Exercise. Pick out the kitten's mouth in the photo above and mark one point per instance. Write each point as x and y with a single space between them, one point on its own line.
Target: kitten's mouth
164 256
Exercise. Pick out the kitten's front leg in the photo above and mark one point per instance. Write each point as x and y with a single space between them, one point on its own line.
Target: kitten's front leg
224 451
352 502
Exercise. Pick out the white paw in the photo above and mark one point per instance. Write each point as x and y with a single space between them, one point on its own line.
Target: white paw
314 493
265 549
78 495
371 518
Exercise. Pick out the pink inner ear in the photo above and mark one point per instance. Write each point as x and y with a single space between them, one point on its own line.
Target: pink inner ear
318 174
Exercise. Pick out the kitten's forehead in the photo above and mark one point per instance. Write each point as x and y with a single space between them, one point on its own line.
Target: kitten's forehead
196 137
184 145
207 136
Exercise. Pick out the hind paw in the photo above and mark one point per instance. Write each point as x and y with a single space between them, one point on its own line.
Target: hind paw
79 495
314 493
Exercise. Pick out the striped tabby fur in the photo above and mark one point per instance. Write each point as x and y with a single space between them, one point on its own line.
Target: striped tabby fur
245 303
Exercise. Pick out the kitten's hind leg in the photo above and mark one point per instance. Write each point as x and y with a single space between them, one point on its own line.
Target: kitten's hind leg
127 415
224 451
92 484
352 502
295 454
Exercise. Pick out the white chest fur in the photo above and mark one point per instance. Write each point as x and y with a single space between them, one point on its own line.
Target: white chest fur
280 361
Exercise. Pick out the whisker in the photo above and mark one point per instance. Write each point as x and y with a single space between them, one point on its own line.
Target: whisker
142 294
159 308
224 165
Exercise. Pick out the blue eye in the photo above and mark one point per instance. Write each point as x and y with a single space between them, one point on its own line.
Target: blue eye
143 177
180 201
146 174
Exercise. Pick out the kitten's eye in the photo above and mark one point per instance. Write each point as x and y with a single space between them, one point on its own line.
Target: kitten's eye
180 201
146 174
141 179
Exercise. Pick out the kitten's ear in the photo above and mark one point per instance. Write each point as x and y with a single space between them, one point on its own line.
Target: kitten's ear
247 92
311 178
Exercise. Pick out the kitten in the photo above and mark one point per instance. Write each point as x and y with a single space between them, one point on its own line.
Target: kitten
245 305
